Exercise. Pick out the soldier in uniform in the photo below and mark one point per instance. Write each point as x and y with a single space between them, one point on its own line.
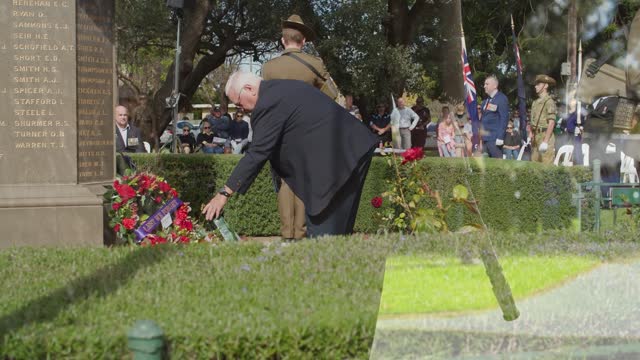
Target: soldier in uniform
543 121
294 64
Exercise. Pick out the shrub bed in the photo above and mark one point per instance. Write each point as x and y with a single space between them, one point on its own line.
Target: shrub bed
313 299
520 196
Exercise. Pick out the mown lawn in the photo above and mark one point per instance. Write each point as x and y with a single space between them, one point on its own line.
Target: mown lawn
414 285
315 299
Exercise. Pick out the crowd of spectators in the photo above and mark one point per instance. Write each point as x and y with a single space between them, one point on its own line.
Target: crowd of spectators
450 132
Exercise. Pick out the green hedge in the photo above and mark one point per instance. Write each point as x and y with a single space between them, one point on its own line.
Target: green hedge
521 196
308 300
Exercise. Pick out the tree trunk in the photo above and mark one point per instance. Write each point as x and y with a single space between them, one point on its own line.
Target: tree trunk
450 14
157 115
402 22
401 25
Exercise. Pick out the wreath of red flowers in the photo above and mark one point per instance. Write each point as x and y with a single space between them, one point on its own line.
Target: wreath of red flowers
134 198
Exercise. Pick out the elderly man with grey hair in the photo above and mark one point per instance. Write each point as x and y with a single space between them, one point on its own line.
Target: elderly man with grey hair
495 116
320 150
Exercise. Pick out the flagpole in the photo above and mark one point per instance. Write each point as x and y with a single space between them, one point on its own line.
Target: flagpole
578 157
522 96
579 119
499 284
470 95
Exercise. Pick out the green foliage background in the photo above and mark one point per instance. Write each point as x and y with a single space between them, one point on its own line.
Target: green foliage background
512 196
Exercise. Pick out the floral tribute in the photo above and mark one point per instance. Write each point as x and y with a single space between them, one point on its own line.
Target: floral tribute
133 199
413 206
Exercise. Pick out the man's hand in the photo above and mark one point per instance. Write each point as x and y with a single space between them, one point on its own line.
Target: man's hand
499 142
543 147
214 207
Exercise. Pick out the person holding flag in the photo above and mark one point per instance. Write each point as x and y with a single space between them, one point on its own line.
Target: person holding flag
471 98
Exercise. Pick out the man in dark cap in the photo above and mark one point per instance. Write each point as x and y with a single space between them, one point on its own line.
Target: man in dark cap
543 121
294 128
294 64
220 123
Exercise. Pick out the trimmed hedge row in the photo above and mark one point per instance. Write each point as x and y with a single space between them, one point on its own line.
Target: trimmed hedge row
518 196
316 299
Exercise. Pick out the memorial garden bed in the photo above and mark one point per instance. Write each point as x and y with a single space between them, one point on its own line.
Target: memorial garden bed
512 195
314 299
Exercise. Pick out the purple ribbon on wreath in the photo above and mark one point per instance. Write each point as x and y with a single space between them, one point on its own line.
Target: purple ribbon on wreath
156 219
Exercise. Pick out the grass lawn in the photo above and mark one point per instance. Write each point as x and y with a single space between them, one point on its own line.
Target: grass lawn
415 285
317 299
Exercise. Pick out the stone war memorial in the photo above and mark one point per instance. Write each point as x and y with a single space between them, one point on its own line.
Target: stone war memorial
56 120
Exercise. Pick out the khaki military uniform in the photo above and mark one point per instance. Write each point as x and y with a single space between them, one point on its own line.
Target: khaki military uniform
291 207
543 112
287 67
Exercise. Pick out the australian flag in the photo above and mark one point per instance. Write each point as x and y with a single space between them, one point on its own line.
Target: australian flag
471 98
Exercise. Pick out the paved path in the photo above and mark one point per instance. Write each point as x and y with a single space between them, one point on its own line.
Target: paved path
604 302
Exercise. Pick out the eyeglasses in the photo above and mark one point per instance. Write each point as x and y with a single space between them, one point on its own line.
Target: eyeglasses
509 127
207 127
239 94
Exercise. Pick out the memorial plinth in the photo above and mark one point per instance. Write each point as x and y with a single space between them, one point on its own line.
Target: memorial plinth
56 120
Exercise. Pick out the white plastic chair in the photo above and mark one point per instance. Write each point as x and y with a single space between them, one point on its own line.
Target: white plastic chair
567 151
585 153
147 146
628 171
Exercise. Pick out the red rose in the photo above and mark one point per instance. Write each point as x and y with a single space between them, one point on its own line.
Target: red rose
182 212
376 202
155 239
116 228
173 193
116 183
187 225
115 206
412 154
145 183
129 223
164 187
158 199
126 192
184 239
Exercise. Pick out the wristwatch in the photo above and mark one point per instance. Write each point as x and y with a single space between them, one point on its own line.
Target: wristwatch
224 192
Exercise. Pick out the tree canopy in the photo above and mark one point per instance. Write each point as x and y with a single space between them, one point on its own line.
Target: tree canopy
372 47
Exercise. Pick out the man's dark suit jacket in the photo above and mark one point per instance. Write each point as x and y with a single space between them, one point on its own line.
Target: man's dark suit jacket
132 133
494 122
313 144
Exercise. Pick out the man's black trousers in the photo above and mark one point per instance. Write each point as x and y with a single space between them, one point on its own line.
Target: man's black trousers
340 215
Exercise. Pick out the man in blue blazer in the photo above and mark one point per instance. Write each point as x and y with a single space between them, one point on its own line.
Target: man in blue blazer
495 117
317 147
